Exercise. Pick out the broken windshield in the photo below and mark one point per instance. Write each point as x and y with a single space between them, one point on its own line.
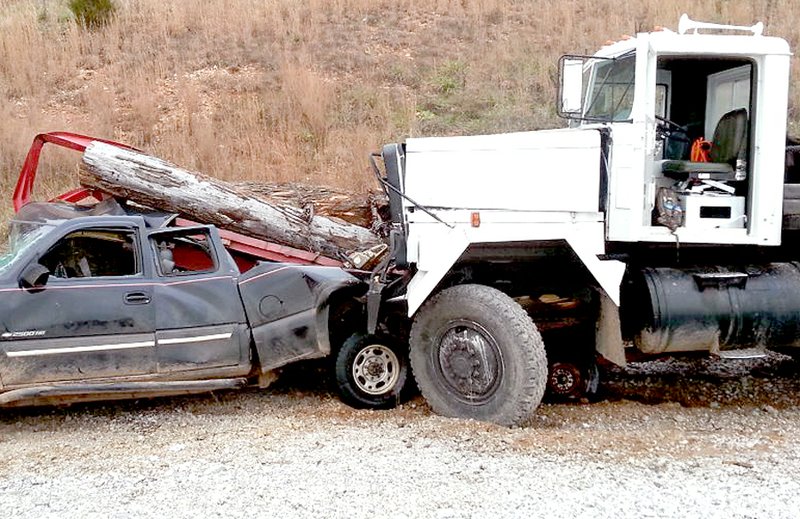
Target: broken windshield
21 236
611 89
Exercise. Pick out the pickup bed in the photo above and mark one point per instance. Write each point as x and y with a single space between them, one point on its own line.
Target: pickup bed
107 302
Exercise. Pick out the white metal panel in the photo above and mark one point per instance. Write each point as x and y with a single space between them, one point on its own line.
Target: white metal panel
626 182
667 42
727 90
551 170
768 133
437 247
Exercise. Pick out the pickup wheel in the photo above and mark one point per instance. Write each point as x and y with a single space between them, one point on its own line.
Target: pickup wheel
371 372
475 353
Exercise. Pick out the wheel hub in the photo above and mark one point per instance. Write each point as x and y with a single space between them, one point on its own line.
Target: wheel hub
376 370
565 379
469 361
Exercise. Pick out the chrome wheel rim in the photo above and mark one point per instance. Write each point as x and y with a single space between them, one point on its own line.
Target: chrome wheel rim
376 369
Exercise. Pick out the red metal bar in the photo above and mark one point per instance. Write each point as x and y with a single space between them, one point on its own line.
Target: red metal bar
27 176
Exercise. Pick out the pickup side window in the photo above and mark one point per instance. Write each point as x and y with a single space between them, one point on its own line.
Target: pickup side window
183 252
93 253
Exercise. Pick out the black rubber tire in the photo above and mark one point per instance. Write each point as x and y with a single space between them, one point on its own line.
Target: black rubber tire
517 384
352 392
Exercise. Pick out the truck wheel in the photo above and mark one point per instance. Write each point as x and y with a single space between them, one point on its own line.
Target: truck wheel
475 353
371 372
571 381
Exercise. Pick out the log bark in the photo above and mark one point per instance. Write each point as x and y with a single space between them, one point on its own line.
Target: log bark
158 184
358 209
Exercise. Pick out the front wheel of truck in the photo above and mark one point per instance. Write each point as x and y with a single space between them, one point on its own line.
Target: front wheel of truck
475 353
372 372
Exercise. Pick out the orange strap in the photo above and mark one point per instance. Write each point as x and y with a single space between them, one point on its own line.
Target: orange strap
700 149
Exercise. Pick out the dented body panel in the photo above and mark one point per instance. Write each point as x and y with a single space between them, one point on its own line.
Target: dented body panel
287 307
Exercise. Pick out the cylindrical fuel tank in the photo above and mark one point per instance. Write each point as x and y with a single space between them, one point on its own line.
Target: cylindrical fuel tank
712 308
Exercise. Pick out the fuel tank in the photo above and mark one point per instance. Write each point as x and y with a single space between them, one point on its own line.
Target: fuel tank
712 308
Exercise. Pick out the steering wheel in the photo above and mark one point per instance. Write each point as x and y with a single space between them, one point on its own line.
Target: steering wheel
667 129
671 125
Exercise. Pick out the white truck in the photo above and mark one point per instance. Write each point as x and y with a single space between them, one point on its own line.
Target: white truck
621 236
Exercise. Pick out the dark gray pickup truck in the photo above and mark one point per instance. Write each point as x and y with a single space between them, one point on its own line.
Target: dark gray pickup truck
122 305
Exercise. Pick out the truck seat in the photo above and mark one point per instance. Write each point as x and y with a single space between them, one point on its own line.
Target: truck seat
729 145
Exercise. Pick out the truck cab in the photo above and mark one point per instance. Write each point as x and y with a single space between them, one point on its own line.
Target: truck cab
663 93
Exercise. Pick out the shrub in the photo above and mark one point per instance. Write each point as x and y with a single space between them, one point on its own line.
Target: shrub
92 13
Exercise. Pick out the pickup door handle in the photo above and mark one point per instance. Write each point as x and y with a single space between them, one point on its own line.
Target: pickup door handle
136 298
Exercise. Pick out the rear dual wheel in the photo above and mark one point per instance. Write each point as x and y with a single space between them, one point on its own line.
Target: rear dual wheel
572 381
476 353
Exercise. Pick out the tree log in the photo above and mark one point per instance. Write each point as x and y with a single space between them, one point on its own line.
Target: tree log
158 184
358 209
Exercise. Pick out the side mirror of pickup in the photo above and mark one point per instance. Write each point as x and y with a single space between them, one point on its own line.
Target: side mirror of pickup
34 277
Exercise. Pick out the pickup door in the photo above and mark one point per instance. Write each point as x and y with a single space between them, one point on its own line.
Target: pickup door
93 319
200 322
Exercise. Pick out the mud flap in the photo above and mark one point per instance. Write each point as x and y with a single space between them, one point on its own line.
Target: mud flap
608 333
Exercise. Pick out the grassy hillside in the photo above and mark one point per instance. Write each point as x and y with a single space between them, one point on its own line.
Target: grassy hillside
304 90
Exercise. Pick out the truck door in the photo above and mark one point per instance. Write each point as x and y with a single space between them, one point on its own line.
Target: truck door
200 322
93 318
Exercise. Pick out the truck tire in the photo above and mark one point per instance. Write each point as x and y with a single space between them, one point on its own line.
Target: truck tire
572 381
371 372
475 353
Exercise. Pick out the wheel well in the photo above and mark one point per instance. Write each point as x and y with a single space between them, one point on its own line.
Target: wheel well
548 280
347 315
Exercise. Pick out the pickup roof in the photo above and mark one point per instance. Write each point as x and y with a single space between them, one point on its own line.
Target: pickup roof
108 302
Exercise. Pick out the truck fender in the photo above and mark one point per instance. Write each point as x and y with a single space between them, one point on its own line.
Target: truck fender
439 257
288 308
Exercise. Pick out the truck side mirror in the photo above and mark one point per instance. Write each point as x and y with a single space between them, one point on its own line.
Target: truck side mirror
570 89
34 277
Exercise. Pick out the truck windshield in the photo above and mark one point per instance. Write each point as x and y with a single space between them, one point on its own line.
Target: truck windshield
611 87
21 236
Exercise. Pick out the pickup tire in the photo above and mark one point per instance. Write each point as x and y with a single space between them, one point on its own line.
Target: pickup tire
475 353
371 372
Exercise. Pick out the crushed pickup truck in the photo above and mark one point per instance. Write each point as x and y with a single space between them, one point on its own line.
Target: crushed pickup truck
111 301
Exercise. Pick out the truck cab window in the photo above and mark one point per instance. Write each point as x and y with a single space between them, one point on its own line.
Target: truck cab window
93 253
183 251
611 91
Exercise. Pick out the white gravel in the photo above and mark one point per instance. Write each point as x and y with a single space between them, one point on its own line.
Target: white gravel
297 451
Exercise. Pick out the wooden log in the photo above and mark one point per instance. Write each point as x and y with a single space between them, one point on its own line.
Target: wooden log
358 209
158 184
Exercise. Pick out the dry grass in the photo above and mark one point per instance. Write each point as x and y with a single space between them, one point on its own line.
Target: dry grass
303 91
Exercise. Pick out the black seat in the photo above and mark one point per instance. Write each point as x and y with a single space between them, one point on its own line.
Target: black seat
728 145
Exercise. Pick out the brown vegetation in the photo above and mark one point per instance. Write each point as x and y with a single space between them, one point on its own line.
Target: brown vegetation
290 90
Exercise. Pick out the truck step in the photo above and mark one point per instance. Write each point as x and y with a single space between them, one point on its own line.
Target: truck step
744 353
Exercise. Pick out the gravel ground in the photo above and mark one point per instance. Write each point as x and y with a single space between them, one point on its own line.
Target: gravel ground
666 439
